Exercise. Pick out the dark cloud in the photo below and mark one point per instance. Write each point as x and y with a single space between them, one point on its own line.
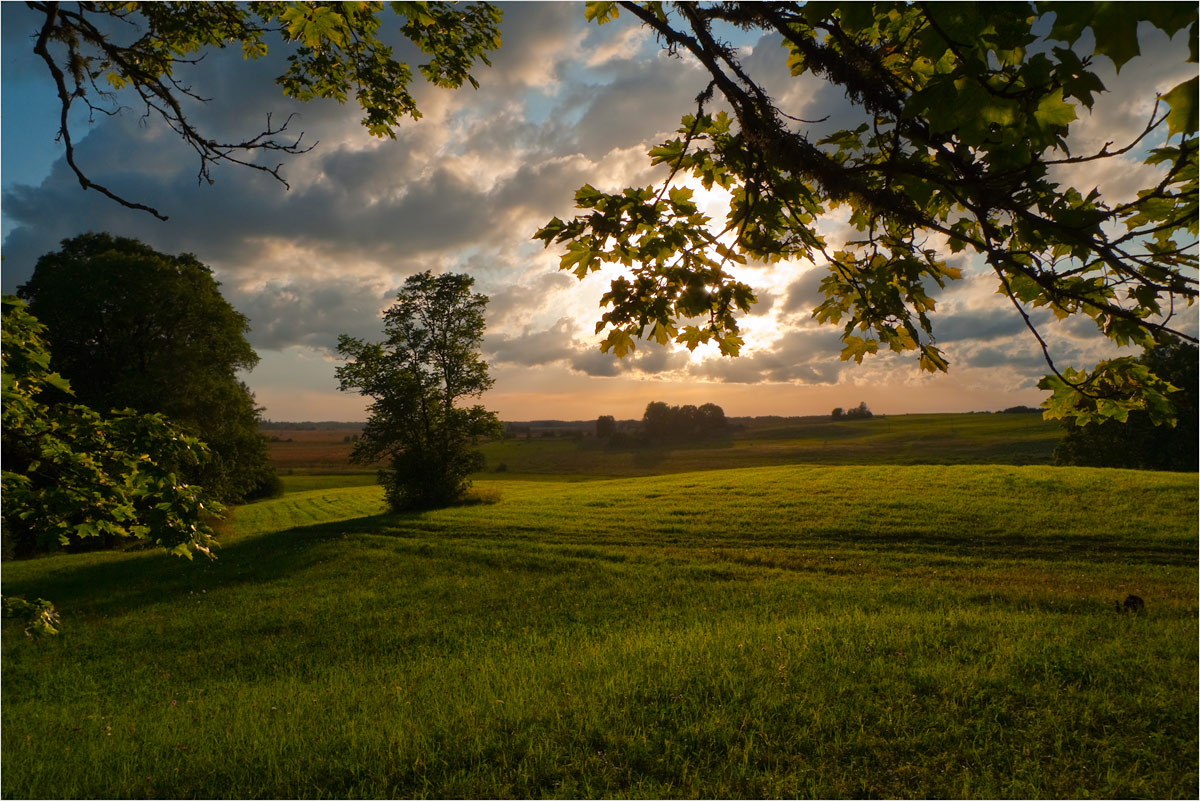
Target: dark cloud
804 356
594 363
531 348
1017 358
311 314
804 294
983 324
765 302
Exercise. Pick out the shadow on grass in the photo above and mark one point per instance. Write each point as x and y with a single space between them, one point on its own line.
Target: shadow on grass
102 585
115 585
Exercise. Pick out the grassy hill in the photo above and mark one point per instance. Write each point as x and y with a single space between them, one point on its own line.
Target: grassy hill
885 630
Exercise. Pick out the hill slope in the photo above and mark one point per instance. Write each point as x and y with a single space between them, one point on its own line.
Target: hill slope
843 631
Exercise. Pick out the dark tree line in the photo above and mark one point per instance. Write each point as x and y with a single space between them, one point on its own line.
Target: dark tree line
859 412
665 423
132 328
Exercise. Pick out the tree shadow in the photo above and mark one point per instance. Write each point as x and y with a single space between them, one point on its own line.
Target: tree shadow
113 587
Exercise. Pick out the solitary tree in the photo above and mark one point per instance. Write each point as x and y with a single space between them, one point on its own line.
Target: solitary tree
606 426
130 327
416 377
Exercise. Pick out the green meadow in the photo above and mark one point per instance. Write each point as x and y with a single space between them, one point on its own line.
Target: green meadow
877 630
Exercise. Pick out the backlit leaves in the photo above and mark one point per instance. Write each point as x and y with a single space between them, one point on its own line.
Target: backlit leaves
965 141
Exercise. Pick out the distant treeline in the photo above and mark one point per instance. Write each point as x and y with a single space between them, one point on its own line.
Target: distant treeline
859 412
664 423
272 425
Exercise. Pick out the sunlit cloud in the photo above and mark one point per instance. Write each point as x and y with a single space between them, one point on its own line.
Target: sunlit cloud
465 188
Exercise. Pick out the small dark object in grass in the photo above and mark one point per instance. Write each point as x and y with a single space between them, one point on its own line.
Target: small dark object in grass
1133 605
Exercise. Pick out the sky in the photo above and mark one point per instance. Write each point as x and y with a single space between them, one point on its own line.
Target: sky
464 189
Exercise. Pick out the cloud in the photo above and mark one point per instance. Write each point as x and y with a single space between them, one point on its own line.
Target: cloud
464 189
804 293
530 348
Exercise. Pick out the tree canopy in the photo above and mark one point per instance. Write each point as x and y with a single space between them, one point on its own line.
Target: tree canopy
130 327
963 148
666 423
93 50
73 476
417 377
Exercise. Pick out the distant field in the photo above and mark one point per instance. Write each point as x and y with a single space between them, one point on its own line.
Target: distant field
827 631
321 450
898 439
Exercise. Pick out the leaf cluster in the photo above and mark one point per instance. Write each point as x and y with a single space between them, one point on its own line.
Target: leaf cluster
962 151
336 52
1135 438
72 475
40 617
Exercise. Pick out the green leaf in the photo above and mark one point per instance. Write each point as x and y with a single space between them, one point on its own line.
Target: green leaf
619 342
1115 27
600 12
857 347
1053 111
1183 118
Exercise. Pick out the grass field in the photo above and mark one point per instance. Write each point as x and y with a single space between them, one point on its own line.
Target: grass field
849 631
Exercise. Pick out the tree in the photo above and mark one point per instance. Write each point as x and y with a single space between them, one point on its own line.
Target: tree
429 361
130 327
94 50
859 412
711 417
838 413
667 423
606 426
73 476
966 110
1137 443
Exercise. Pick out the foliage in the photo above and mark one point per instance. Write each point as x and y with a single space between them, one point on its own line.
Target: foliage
966 110
1136 442
130 327
674 423
838 413
429 361
859 412
72 476
40 617
335 52
606 426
